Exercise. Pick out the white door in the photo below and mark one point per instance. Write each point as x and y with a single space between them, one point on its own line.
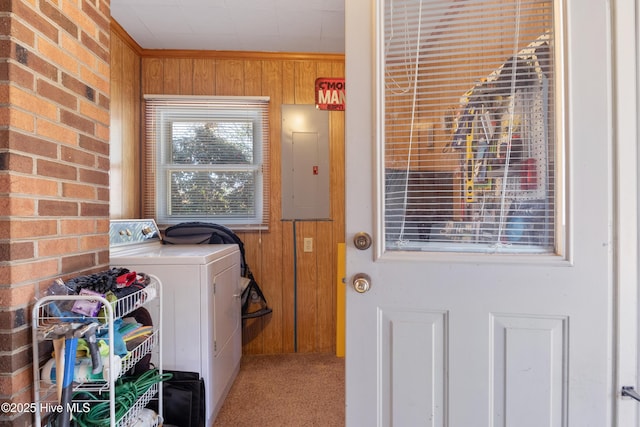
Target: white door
448 336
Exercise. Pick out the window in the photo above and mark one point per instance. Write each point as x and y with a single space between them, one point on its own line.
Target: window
206 160
469 139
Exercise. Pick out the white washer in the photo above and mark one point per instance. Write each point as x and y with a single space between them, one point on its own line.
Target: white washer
201 315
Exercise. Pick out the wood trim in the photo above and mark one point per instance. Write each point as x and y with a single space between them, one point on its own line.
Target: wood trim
241 55
125 37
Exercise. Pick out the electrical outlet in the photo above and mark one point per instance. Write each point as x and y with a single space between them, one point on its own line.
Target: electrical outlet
308 244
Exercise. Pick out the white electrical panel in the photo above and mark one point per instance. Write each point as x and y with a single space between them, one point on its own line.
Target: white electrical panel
305 162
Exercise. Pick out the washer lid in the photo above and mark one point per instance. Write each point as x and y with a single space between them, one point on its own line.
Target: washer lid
169 254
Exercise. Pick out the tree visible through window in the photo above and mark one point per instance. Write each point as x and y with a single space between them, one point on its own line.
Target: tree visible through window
207 162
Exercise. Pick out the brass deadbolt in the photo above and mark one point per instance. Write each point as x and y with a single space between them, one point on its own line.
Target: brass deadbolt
362 241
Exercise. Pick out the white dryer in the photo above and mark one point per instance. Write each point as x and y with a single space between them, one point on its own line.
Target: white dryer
201 315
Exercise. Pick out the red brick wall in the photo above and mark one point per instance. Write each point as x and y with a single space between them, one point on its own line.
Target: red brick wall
54 164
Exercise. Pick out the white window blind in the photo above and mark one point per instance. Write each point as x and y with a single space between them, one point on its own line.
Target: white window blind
206 159
468 125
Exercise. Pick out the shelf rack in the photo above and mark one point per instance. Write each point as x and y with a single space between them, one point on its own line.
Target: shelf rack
45 394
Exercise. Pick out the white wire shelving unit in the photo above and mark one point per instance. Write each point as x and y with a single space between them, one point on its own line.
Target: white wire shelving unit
44 319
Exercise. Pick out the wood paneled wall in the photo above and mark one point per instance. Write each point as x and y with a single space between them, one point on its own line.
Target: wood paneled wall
124 134
300 286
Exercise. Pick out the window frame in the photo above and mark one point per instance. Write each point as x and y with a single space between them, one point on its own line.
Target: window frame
162 112
424 134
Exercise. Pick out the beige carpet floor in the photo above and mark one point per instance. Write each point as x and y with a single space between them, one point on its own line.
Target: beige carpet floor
300 389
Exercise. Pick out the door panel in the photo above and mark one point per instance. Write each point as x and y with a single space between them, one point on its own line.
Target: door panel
486 339
412 338
529 358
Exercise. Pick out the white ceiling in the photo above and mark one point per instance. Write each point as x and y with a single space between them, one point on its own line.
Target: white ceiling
309 26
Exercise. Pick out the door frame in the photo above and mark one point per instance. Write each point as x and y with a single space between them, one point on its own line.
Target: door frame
625 118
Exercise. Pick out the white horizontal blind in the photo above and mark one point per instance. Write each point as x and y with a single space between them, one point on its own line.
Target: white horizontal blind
469 135
206 159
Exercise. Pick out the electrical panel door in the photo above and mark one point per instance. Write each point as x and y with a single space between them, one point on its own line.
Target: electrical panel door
305 162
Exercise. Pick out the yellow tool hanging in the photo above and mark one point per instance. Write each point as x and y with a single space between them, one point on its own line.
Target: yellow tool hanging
469 162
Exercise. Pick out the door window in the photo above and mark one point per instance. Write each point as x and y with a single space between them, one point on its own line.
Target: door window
470 147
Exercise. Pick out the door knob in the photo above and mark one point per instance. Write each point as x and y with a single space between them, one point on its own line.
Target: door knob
362 241
361 283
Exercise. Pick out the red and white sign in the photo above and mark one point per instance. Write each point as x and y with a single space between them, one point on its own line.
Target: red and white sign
330 93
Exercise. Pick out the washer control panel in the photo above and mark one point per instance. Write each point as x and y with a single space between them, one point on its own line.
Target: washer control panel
133 231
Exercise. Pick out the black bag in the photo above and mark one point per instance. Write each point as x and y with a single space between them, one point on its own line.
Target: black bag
194 233
254 303
183 400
